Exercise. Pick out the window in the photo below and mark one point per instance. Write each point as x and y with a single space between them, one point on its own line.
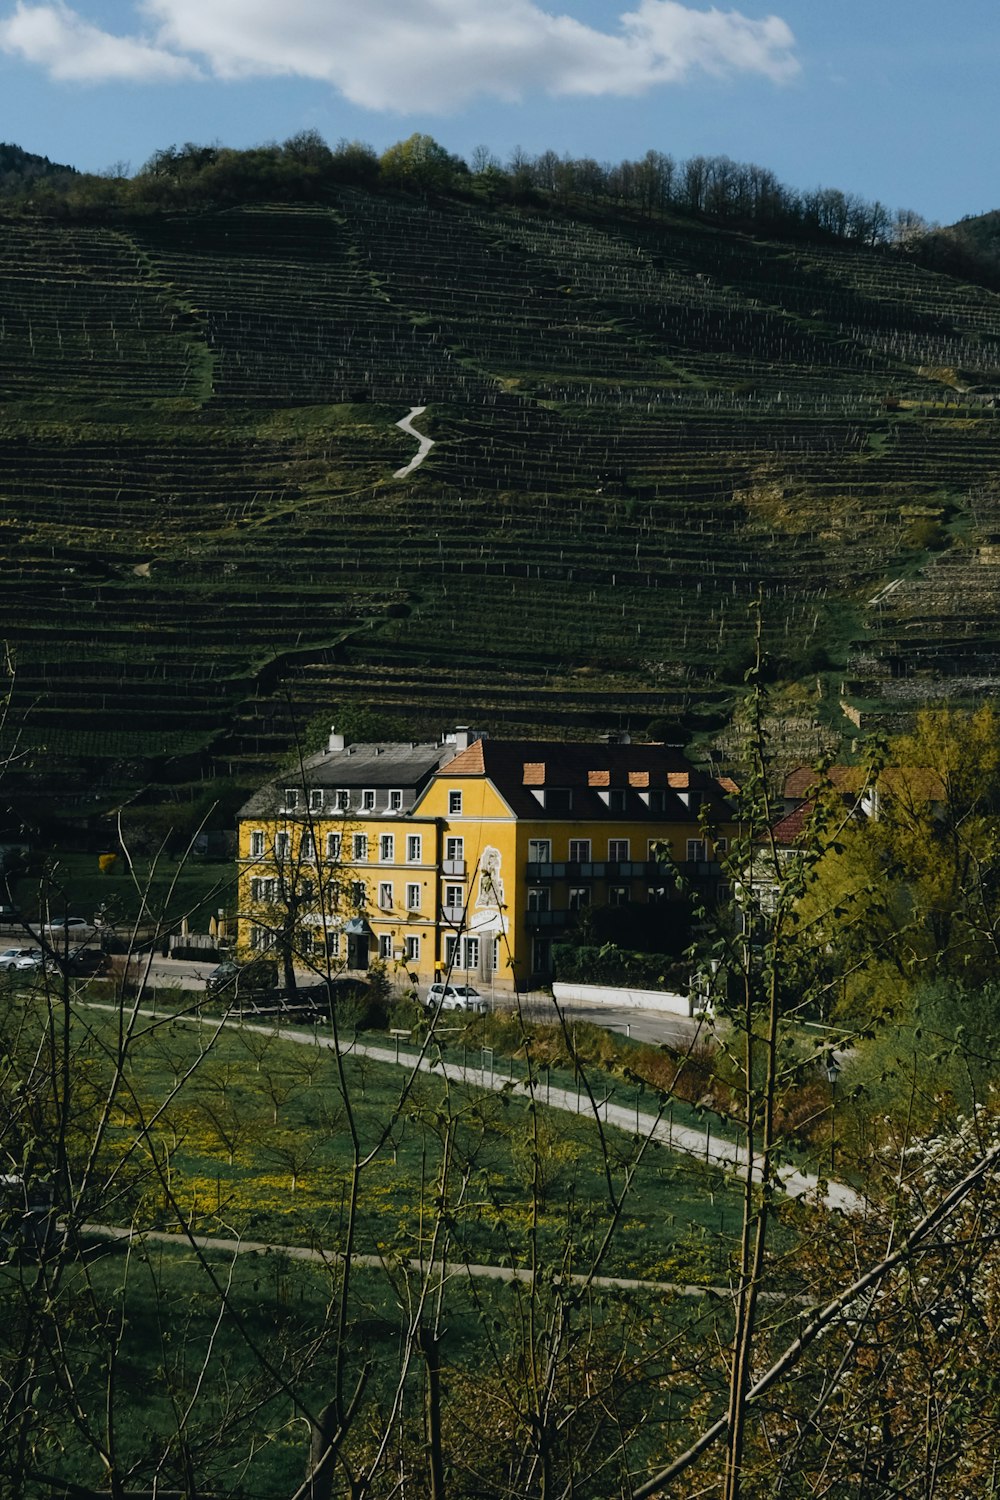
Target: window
454 897
538 899
333 847
414 846
658 850
333 944
558 799
618 850
450 945
360 846
317 798
454 848
579 851
540 851
260 939
385 894
257 844
385 945
291 798
386 848
307 890
618 895
696 849
307 848
342 801
454 804
656 895
413 898
368 801
579 897
614 799
395 801
656 801
359 893
470 953
282 845
265 889
412 950
722 846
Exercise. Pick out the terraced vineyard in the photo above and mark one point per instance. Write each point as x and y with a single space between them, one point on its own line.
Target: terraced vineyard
639 428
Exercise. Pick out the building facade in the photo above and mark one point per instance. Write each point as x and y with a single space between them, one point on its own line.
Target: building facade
471 857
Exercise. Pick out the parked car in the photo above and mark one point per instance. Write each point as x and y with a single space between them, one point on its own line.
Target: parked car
75 926
232 980
82 963
455 997
20 958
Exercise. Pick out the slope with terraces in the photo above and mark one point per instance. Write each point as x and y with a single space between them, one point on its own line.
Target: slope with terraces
640 428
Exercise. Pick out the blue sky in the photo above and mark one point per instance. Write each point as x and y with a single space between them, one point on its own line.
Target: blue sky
889 100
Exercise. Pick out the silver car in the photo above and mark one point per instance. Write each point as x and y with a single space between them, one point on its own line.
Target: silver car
20 958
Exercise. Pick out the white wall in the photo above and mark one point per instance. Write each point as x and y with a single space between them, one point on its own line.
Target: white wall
603 994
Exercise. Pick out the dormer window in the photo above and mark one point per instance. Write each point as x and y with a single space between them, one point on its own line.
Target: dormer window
368 801
291 799
613 798
558 799
342 801
655 800
395 801
317 798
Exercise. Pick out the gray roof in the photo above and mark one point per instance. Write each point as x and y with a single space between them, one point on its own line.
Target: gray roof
381 767
375 765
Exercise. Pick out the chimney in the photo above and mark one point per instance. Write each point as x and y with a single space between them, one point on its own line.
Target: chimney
336 741
461 738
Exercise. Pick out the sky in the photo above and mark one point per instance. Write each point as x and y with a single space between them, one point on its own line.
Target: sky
890 100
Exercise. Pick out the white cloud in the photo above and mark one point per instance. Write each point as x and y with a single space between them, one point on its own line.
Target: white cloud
411 55
72 50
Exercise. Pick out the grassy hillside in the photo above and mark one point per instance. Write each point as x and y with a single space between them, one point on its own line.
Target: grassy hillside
639 428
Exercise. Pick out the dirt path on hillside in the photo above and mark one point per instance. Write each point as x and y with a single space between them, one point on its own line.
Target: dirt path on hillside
425 443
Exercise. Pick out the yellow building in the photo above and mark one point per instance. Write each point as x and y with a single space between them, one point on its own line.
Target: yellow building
471 856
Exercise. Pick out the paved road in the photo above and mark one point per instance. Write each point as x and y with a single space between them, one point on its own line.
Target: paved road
653 1026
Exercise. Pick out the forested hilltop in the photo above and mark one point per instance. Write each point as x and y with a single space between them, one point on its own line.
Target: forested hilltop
657 391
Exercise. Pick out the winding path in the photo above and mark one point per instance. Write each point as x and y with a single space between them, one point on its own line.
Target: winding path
710 1149
425 443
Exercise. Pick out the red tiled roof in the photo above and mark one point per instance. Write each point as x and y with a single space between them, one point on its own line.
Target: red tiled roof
789 829
467 762
920 782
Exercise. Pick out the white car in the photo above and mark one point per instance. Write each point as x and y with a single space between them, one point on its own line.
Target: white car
455 997
20 958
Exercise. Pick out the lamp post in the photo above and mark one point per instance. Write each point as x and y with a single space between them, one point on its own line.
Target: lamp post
832 1074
